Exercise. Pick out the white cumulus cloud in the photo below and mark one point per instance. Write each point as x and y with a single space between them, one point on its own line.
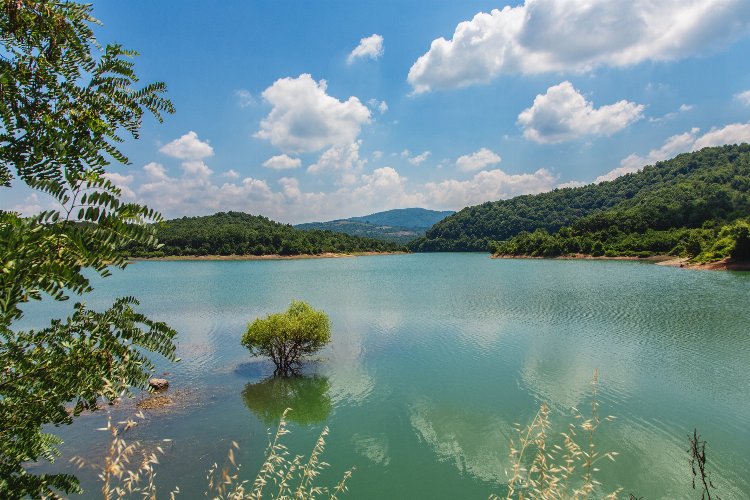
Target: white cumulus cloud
155 171
380 106
734 133
743 97
420 158
342 161
478 160
244 98
195 193
194 190
543 36
487 185
197 168
282 162
188 147
563 114
381 189
571 184
384 187
123 182
304 118
370 47
684 108
31 205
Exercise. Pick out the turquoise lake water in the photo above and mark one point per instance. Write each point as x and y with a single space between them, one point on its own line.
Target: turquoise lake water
434 357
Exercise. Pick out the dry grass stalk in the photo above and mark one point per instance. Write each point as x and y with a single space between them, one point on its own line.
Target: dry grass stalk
280 477
120 474
541 469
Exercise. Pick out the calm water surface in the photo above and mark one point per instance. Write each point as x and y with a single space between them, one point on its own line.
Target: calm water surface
434 358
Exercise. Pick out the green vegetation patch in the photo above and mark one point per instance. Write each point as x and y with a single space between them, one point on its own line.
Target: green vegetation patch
289 336
237 233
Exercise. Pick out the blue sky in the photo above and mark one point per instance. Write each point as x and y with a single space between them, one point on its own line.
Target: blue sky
305 111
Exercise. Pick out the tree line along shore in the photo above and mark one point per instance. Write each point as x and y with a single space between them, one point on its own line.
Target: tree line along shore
241 235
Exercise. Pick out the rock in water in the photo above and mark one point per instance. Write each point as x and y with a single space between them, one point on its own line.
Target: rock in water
158 384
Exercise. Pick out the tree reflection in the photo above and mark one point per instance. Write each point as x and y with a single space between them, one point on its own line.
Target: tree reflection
306 396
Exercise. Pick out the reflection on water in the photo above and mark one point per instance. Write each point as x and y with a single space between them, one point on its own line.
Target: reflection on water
307 396
434 358
374 448
468 440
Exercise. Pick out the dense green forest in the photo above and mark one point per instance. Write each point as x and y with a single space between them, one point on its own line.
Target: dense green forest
684 206
237 233
400 225
705 244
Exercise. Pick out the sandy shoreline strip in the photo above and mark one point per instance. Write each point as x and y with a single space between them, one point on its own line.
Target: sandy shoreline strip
720 265
660 260
654 258
327 255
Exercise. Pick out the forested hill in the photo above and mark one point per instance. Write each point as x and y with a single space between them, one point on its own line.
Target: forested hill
400 225
237 233
708 186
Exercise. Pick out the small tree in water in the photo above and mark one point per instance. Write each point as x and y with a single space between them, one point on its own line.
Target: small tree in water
287 337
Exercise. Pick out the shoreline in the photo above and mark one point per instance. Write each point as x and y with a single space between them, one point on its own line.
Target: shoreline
325 255
719 265
659 260
656 259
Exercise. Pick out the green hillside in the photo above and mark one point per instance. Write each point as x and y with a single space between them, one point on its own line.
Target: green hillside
702 190
237 233
399 225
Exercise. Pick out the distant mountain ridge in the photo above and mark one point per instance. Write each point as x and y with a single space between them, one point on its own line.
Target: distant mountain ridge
405 217
399 225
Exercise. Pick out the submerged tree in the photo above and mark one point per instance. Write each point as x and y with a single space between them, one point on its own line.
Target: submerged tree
289 336
65 102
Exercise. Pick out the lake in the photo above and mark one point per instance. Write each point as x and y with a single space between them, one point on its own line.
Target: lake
434 357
